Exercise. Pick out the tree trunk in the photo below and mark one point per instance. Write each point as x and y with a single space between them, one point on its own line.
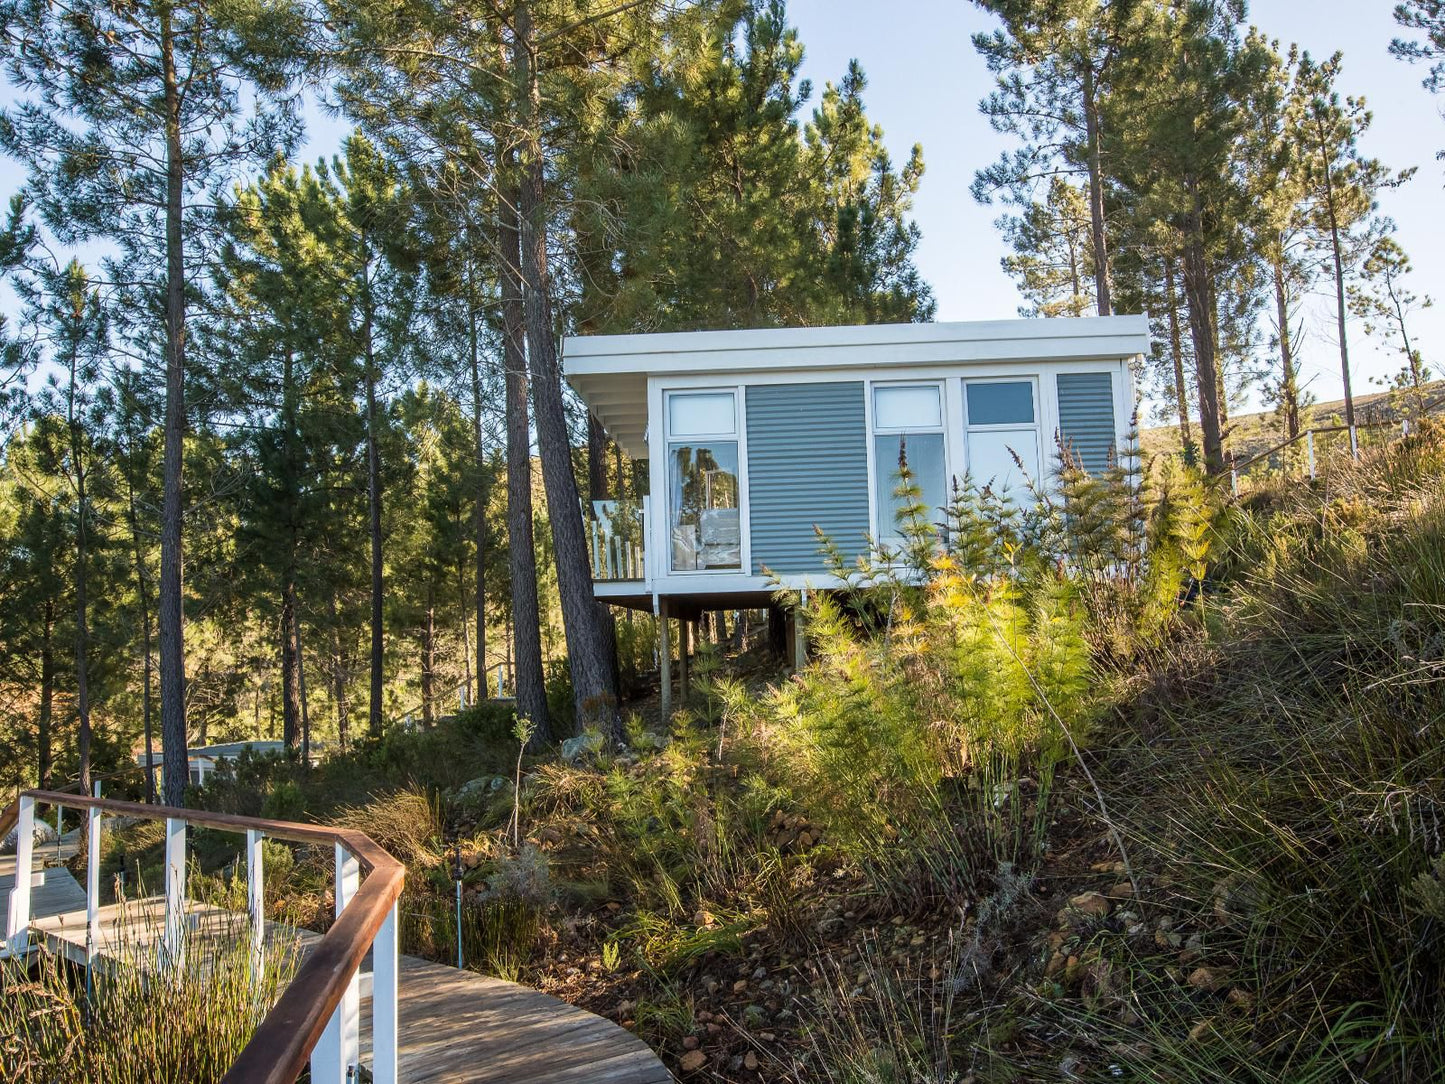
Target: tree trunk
176 768
82 600
373 499
594 693
290 687
528 680
479 511
46 722
143 597
1288 387
338 673
1197 296
1339 264
1176 350
429 659
301 687
1103 299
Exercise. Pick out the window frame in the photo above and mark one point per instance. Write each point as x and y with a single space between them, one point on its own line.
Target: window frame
1035 427
939 384
736 438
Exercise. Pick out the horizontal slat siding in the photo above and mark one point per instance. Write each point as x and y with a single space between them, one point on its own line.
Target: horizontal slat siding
1086 418
807 464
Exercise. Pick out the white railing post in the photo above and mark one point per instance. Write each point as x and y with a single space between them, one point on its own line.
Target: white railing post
1233 482
1354 443
339 1048
1310 447
256 899
92 880
17 925
385 975
175 891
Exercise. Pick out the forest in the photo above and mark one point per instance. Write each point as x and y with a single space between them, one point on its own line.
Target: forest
1139 778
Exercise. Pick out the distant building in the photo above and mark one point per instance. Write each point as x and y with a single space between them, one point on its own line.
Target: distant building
204 759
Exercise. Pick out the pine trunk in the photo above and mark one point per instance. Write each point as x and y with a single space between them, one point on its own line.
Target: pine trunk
301 686
1103 298
1198 298
176 764
528 680
1339 266
143 596
479 511
46 722
1176 350
593 690
82 600
290 686
338 673
1288 386
429 659
373 500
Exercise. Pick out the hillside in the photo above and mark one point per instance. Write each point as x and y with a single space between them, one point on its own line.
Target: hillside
897 866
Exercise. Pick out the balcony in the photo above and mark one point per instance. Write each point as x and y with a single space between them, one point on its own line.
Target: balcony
615 540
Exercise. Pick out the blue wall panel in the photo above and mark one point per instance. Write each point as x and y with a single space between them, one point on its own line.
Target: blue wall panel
807 464
1086 418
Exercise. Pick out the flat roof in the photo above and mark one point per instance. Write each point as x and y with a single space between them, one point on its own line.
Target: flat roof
610 372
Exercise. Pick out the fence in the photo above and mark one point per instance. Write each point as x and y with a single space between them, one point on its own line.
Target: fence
316 1020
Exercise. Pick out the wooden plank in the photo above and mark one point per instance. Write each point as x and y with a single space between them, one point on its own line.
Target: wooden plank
456 1027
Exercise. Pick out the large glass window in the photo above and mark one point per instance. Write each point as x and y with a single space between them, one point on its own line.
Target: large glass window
907 428
1003 435
704 498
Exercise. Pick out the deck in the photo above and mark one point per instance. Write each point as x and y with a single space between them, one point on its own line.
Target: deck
455 1026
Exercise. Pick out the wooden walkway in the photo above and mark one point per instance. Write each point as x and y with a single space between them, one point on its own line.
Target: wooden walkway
53 891
456 1027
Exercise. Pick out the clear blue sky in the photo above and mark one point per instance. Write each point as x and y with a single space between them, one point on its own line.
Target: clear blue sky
925 82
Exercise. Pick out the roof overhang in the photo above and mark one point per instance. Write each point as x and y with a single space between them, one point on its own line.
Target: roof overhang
610 372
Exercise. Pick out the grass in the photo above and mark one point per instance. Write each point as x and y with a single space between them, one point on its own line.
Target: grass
139 1025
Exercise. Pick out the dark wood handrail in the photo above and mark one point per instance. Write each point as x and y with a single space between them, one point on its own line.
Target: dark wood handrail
282 1043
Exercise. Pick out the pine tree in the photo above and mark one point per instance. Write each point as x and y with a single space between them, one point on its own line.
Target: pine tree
132 112
1385 303
1052 257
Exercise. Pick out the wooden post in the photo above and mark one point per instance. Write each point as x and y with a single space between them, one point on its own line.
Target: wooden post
339 1048
256 899
17 925
175 891
664 658
684 648
1310 448
800 638
384 988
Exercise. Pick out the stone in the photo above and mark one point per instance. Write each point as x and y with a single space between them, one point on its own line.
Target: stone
1122 891
740 986
692 1061
690 1042
481 787
44 833
1092 904
1201 1030
581 747
750 1061
1202 978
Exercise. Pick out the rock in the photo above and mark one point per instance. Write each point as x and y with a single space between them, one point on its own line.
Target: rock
1202 978
1091 904
1242 999
692 1061
481 787
581 747
740 986
690 1042
1202 1030
760 973
754 1016
1122 891
750 1060
44 833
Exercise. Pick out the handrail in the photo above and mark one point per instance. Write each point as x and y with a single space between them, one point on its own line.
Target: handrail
1425 408
278 1050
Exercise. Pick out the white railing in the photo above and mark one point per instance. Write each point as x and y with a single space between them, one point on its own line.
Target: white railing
317 1017
615 533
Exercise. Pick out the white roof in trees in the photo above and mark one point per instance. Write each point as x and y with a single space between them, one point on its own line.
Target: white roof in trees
610 372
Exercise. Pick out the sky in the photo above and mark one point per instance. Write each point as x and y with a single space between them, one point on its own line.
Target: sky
925 82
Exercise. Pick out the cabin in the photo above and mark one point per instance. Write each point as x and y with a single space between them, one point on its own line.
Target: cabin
754 438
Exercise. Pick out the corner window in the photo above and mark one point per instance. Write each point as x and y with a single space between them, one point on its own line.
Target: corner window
704 520
907 428
1001 417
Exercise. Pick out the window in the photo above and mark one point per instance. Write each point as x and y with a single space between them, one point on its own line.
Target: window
907 427
704 521
1003 435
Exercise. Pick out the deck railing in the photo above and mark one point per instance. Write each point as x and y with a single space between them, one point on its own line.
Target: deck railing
317 1018
615 533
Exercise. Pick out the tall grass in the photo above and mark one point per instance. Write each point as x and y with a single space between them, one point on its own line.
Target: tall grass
141 1023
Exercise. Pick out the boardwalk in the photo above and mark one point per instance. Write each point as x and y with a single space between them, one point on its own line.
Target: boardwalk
455 1026
53 891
